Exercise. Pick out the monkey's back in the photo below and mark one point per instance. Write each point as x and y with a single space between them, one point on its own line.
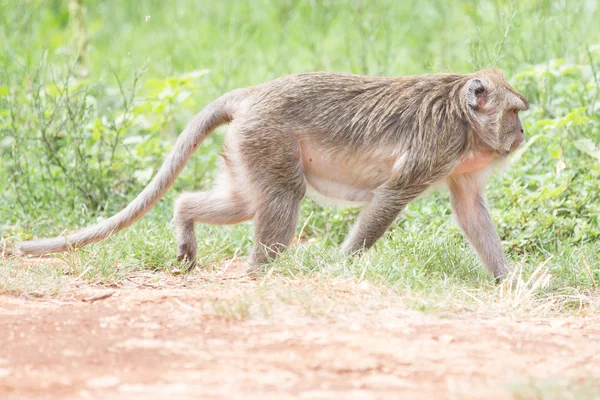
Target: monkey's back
354 111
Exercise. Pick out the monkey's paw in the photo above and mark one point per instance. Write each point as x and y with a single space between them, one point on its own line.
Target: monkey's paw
8 248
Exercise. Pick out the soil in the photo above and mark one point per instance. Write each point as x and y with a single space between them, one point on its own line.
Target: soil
157 336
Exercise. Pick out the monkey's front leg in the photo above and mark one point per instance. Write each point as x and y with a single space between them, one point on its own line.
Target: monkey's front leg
469 205
378 215
411 176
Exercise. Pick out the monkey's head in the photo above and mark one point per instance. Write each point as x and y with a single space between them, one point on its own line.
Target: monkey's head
493 107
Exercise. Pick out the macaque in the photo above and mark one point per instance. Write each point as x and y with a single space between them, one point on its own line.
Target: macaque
379 142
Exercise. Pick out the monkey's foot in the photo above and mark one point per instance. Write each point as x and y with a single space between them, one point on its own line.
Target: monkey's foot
7 248
188 263
254 271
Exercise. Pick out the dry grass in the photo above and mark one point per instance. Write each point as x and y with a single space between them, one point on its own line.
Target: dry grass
318 294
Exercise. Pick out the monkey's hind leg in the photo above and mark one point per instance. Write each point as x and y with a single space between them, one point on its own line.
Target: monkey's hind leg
224 204
278 190
275 226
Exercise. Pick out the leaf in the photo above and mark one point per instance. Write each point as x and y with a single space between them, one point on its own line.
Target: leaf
155 84
530 73
556 151
96 135
575 121
133 140
142 122
553 193
196 74
588 147
181 97
3 91
575 112
574 118
542 123
571 70
6 142
523 148
143 175
580 121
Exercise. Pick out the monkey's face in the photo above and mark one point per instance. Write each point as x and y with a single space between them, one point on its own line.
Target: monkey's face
495 107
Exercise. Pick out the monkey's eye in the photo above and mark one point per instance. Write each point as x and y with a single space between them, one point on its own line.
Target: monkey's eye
479 91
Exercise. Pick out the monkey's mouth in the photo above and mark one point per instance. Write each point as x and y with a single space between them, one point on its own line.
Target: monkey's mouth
514 146
517 142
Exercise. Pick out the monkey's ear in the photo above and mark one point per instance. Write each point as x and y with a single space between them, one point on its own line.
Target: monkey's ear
477 93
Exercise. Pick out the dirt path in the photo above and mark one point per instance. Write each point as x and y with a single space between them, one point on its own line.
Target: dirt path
165 338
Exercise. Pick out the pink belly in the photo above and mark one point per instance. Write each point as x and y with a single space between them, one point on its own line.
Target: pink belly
473 164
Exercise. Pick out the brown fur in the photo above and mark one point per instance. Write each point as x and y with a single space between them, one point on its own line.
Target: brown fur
376 141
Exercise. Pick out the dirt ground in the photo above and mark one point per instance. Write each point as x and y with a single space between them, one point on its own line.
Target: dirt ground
155 336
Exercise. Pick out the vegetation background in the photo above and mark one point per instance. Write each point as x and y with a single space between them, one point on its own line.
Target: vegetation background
93 93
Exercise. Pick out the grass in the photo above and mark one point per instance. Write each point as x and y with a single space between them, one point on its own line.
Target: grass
551 389
428 275
79 141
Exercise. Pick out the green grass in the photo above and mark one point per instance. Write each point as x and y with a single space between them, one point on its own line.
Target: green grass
554 389
78 143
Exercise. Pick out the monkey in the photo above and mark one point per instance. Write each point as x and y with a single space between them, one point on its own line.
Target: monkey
372 141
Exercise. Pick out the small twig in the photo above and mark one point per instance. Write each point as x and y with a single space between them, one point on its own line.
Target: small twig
226 267
473 297
590 273
137 284
508 25
595 76
98 297
304 226
364 271
185 306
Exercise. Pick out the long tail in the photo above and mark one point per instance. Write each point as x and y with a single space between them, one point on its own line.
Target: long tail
215 114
